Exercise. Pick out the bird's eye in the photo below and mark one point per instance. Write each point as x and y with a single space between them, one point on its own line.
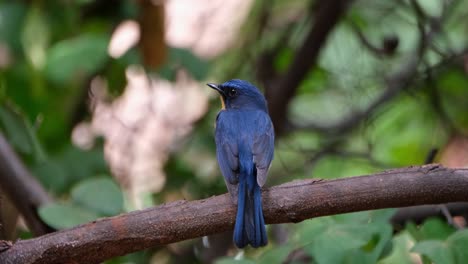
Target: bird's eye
232 92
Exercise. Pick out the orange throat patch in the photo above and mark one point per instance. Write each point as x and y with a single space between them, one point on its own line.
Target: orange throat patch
223 106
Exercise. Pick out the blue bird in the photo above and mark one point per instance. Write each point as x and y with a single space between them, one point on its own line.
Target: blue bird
244 148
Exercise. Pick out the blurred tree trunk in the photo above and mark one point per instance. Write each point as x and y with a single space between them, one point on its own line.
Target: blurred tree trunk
8 218
152 44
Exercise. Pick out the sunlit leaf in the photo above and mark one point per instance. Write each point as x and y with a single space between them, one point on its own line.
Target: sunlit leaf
316 80
437 251
400 253
35 36
417 133
458 242
432 7
336 167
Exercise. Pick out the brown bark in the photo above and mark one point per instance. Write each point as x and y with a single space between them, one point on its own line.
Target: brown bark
290 202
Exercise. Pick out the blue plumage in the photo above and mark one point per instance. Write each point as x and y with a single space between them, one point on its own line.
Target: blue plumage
244 149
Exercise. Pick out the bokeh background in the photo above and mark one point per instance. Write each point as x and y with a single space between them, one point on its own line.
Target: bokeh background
105 103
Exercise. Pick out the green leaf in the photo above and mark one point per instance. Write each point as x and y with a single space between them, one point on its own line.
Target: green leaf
52 175
333 245
399 254
91 162
275 255
76 57
435 228
308 230
197 67
35 36
20 132
101 195
316 81
283 59
61 216
412 229
336 167
133 258
12 14
431 229
227 260
453 250
432 8
382 215
417 133
14 128
458 242
349 238
436 251
452 88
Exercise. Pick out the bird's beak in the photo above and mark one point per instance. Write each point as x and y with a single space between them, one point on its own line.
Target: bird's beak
217 88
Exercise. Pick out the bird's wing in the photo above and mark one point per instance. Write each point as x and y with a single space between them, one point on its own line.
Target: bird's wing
227 152
263 147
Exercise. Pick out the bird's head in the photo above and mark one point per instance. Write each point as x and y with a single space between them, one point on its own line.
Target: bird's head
239 94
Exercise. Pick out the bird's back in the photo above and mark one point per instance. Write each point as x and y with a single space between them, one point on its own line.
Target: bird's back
244 149
251 129
241 126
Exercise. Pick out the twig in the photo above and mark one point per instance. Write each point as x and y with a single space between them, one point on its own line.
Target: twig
2 232
418 214
291 202
377 51
395 83
435 99
22 189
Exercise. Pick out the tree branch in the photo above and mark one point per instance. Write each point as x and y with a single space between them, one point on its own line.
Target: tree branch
23 190
327 16
418 214
388 47
395 82
291 202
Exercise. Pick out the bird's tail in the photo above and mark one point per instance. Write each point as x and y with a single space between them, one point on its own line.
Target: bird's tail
250 225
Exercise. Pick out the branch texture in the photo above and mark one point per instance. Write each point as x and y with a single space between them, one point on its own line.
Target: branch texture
291 202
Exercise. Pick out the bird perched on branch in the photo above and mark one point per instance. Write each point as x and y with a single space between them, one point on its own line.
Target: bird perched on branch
244 148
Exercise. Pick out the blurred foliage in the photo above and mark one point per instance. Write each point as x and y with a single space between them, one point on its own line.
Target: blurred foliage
90 199
57 47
